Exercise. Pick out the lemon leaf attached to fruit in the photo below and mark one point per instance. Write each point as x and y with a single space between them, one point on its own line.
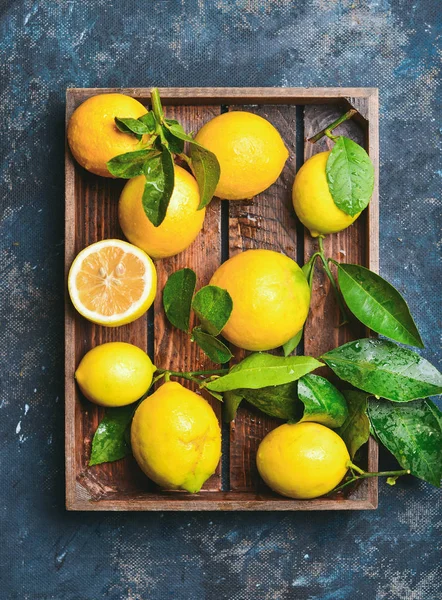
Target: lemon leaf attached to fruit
350 176
155 161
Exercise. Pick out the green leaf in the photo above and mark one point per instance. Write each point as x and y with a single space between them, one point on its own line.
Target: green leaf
177 297
350 176
384 369
309 269
355 430
131 164
280 401
110 439
261 370
289 346
213 307
212 346
412 433
177 130
205 167
160 180
232 400
377 304
138 128
323 403
149 121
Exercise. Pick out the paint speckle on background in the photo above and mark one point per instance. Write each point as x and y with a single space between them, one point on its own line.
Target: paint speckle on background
48 554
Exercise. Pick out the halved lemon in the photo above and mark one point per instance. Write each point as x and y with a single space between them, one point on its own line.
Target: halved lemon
112 283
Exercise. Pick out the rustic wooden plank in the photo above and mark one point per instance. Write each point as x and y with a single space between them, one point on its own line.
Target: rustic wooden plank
227 95
322 331
217 501
91 215
173 348
357 244
268 222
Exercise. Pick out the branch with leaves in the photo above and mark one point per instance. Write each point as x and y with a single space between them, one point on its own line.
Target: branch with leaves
160 140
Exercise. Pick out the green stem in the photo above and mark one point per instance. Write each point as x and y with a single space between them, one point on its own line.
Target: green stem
156 105
328 130
365 475
190 375
340 302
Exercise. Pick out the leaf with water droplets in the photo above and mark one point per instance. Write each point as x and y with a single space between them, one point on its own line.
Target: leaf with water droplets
350 176
355 430
412 433
385 369
323 403
261 369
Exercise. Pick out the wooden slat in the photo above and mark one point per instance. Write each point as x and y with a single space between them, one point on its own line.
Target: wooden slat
173 348
322 331
235 95
266 222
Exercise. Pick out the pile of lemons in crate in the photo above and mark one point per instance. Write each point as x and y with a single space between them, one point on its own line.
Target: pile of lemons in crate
257 300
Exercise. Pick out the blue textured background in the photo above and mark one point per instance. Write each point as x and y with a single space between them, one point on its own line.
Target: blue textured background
46 46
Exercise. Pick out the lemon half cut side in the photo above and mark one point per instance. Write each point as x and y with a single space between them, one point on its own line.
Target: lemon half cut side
112 282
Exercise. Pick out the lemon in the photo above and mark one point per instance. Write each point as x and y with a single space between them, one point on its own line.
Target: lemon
270 297
112 283
313 202
302 461
92 134
176 438
250 152
181 225
114 374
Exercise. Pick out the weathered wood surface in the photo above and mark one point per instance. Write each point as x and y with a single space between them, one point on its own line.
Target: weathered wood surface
266 222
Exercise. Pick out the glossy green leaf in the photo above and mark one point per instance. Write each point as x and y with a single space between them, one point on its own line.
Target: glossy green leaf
177 297
149 121
412 433
205 167
177 130
377 304
385 369
293 343
160 180
131 164
231 402
323 403
355 430
134 126
213 307
261 370
110 441
350 176
213 347
309 270
278 401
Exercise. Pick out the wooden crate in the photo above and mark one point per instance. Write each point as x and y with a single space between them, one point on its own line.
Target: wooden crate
266 222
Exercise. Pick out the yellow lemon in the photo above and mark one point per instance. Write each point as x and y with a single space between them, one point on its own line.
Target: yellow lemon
92 134
270 296
250 152
114 374
112 283
176 438
302 461
181 225
313 202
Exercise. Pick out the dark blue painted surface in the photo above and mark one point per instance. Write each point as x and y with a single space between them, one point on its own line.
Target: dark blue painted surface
46 46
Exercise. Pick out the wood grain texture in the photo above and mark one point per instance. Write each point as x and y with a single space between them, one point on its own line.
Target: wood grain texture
173 348
268 221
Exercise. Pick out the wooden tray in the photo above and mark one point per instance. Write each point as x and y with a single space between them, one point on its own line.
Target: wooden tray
266 222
